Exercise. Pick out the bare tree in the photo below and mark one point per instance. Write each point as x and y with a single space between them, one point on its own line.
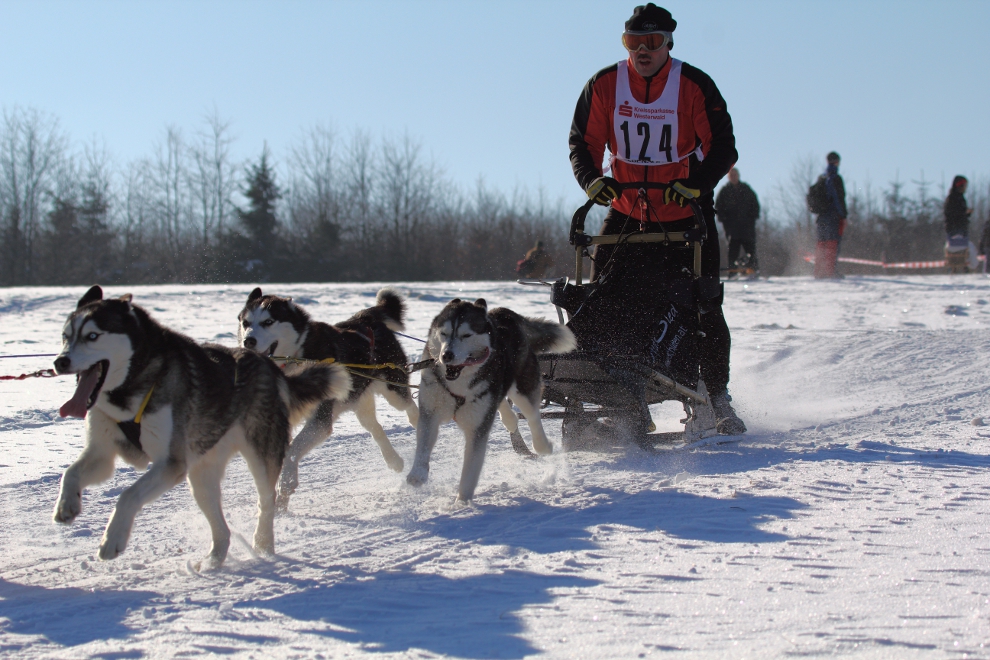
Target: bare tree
407 188
790 197
31 148
213 178
168 178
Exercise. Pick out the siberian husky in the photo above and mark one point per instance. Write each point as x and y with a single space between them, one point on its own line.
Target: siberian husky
479 359
149 394
272 325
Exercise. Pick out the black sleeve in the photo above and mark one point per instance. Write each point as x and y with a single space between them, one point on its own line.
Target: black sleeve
722 203
722 155
583 163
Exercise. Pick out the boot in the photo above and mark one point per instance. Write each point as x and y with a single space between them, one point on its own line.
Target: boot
727 421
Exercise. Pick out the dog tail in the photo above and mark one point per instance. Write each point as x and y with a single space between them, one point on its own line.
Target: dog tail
393 309
548 337
312 384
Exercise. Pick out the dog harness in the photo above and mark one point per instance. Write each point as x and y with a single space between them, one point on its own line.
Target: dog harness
132 429
458 399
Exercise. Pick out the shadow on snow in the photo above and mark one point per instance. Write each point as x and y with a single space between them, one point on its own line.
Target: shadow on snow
68 616
393 611
539 527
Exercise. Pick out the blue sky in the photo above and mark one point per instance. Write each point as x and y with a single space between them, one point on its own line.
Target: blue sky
488 88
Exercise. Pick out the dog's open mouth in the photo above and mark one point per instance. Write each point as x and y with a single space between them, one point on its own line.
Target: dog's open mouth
88 385
453 371
271 349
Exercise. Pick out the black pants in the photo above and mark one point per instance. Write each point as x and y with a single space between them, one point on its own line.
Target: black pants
644 257
746 245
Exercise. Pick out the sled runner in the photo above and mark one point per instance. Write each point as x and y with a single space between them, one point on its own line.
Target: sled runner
637 331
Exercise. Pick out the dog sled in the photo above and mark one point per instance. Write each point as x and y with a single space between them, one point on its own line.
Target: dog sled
637 331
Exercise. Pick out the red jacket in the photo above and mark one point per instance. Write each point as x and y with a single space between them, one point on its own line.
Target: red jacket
702 120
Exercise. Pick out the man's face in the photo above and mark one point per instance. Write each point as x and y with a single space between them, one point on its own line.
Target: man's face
733 176
648 62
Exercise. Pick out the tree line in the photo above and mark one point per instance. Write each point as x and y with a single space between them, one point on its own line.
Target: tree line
331 210
335 209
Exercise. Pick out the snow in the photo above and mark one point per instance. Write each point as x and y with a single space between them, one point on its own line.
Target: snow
851 520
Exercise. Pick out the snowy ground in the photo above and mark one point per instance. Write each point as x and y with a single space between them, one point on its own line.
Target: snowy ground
853 520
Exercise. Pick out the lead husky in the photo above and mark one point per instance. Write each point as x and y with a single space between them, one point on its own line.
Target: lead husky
278 326
149 394
480 358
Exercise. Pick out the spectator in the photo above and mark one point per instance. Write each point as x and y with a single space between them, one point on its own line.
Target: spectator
737 207
831 221
956 211
536 263
960 252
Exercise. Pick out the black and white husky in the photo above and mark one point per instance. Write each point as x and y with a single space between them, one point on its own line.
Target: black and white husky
272 325
149 394
479 359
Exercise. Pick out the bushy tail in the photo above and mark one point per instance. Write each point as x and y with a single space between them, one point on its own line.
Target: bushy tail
314 383
548 337
393 309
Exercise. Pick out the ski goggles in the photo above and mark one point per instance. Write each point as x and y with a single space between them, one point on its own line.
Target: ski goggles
633 41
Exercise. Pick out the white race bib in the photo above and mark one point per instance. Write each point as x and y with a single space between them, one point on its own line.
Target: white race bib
646 134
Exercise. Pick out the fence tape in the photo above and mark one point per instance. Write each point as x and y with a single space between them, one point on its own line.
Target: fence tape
810 258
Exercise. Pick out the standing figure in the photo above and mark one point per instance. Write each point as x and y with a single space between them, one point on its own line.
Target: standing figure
662 120
738 208
827 198
960 253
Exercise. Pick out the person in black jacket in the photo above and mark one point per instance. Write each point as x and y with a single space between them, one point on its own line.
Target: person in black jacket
737 207
832 223
956 210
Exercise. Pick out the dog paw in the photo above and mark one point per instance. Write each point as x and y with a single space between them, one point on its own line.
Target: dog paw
114 541
264 544
67 509
395 462
209 564
543 448
461 503
110 549
417 476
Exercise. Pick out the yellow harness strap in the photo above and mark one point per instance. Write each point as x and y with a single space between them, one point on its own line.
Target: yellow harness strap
144 404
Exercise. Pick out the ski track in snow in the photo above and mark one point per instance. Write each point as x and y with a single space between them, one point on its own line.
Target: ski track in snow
852 520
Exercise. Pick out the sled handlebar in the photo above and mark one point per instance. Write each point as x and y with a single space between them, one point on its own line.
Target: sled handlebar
577 236
581 241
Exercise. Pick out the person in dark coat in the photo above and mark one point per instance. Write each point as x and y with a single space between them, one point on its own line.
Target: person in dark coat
960 253
832 223
738 208
956 210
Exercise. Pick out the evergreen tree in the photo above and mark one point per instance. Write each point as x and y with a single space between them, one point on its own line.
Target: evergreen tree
262 193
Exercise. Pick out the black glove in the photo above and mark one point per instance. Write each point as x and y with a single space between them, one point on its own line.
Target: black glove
603 190
680 193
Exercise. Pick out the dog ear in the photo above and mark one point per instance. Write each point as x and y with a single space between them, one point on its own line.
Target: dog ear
455 301
254 295
95 293
480 302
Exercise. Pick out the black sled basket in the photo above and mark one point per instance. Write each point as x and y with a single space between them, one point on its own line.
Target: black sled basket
637 328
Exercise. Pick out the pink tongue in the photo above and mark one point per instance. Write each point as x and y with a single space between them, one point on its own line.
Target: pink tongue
76 406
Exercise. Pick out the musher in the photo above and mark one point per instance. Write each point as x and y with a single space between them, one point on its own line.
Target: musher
683 136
